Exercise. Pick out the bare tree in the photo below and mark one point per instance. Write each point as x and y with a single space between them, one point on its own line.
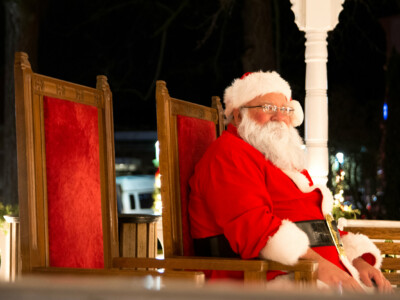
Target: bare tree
21 34
258 33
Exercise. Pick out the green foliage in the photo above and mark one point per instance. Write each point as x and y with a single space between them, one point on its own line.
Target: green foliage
341 183
344 211
7 210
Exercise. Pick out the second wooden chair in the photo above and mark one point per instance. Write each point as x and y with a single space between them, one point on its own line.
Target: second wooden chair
185 130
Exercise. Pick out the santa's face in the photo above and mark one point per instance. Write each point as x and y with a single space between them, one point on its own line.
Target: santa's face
259 115
278 141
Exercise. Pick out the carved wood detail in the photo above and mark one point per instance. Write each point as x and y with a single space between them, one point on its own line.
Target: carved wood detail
38 85
97 100
52 87
60 90
79 94
22 60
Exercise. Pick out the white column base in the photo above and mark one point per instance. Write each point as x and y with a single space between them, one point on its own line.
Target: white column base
317 162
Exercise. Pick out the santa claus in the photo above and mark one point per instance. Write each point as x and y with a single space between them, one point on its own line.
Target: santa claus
251 196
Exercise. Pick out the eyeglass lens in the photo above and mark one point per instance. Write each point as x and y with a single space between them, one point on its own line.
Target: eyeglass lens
274 108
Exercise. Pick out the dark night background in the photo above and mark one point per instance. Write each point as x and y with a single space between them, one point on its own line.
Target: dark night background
198 47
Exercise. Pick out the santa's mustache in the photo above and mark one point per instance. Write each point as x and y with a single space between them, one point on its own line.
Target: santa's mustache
281 144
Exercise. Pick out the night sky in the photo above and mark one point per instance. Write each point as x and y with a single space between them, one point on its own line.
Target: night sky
135 43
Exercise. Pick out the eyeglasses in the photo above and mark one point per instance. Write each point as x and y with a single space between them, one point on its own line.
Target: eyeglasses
271 109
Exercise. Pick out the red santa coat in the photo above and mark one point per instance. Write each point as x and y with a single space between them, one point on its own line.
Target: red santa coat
235 191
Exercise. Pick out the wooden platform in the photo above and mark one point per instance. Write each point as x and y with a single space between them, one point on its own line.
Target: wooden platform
102 288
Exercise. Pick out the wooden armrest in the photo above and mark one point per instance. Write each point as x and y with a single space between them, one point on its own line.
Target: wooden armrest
191 275
303 265
212 263
254 270
201 263
89 272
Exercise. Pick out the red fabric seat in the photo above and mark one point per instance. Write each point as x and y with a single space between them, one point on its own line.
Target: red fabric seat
73 184
194 137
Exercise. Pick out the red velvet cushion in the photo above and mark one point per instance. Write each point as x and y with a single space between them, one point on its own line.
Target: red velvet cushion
73 184
194 137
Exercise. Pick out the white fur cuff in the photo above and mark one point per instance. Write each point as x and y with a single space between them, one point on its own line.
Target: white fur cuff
287 245
358 244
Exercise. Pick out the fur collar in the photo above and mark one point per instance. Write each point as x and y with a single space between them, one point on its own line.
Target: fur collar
307 186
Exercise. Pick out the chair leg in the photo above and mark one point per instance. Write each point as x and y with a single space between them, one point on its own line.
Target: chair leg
305 277
255 277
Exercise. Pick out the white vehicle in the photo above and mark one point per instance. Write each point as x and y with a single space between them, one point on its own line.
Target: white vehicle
135 194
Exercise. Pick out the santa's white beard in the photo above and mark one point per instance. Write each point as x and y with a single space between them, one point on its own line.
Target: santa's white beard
281 144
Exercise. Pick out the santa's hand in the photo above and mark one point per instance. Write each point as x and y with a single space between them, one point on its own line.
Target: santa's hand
368 274
332 275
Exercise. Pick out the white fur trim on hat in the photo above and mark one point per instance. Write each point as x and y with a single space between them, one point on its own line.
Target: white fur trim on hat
358 244
298 115
245 89
287 245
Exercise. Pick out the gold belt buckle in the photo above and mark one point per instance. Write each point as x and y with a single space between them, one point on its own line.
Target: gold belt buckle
330 221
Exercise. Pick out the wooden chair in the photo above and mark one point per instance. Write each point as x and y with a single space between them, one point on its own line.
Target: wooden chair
66 181
198 126
386 236
66 176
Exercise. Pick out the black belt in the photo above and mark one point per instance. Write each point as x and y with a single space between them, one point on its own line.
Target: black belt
318 232
214 246
218 246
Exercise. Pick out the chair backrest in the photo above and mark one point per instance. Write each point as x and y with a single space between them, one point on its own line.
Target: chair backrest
386 236
66 171
185 130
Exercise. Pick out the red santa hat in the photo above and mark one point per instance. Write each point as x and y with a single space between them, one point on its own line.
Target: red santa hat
251 85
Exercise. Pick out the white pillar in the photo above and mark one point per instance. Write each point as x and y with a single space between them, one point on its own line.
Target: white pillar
316 18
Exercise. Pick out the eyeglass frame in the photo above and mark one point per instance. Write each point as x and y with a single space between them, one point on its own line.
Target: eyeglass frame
286 110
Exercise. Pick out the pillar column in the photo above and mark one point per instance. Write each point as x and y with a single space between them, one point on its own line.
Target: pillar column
316 18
